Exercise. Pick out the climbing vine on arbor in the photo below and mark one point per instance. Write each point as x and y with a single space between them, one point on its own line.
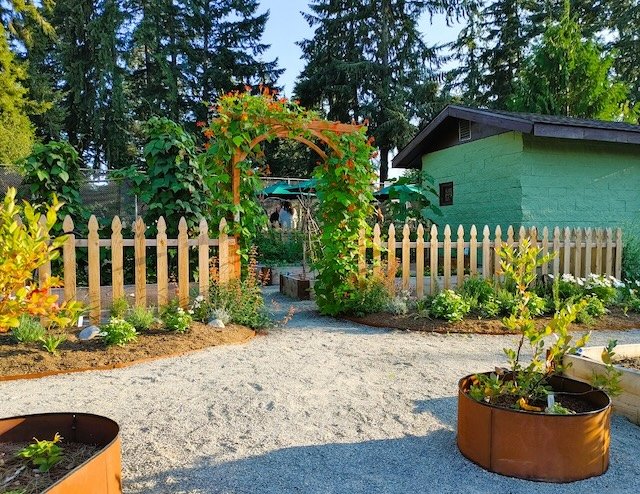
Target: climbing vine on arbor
345 195
241 122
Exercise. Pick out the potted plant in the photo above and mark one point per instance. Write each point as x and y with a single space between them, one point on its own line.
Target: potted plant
527 420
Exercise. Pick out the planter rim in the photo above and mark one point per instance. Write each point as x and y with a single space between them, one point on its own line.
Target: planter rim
103 449
538 414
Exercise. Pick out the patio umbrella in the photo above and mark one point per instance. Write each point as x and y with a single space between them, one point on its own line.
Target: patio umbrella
306 186
396 190
280 189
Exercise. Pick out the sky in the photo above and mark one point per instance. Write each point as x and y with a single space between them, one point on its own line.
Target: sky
286 26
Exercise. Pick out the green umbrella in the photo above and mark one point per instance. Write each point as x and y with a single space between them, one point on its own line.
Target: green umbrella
396 190
279 189
305 186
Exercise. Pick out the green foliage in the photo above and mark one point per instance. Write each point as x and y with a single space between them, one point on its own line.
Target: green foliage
28 331
558 409
529 383
369 295
140 318
592 309
450 306
478 291
277 247
175 318
241 300
568 76
24 246
16 131
53 169
43 455
610 380
118 332
51 342
631 253
119 308
345 196
416 203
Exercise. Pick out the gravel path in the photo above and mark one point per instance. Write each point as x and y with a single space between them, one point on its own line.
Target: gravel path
321 406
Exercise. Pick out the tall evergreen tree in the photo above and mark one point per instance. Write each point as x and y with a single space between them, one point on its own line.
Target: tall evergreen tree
369 60
568 75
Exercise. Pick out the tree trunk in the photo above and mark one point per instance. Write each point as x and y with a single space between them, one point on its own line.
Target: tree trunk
384 165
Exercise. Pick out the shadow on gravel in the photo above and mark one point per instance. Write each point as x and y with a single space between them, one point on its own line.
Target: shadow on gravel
443 409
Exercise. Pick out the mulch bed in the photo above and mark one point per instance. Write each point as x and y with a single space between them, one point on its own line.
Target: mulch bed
25 479
615 320
20 359
630 362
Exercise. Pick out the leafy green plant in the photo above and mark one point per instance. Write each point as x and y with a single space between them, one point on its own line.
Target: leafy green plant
175 318
592 309
28 331
141 318
450 306
221 314
53 169
278 247
610 380
506 301
201 309
631 252
413 198
118 332
528 384
51 342
478 291
119 308
369 295
43 454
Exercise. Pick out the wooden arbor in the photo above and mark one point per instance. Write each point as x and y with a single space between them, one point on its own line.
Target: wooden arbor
322 130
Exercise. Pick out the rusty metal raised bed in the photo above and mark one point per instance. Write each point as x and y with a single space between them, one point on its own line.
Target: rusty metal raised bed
101 474
537 446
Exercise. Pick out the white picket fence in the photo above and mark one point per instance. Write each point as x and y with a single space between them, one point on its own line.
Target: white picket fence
578 251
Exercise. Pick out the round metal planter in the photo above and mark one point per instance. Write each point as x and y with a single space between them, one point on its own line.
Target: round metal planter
101 474
536 446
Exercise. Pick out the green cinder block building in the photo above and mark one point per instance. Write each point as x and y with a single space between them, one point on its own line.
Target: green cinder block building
504 168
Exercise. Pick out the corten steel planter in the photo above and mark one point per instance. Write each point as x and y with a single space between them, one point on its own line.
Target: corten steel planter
101 474
537 446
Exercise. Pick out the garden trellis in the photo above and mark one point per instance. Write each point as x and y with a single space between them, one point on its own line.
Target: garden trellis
579 251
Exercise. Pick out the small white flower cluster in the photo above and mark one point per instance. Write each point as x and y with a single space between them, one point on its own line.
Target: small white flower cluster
593 280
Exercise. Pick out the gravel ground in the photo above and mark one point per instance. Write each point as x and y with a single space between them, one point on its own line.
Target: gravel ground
321 406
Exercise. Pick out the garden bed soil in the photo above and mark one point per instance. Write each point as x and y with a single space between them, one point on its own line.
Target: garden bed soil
629 362
573 403
615 320
22 359
26 479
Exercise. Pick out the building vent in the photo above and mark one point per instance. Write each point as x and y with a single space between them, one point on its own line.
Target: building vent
464 130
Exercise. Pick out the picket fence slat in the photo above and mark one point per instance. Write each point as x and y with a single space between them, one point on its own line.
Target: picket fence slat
140 260
162 263
572 249
117 259
203 258
69 260
94 271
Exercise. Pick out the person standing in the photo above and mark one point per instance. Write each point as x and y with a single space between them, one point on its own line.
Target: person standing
286 216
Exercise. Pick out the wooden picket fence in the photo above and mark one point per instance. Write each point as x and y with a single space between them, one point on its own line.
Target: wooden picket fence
226 261
577 251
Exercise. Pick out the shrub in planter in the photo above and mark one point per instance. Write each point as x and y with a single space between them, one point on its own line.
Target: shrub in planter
525 420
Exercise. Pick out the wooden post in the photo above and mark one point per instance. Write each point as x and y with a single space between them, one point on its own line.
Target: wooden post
473 251
392 267
545 249
522 233
588 250
376 251
577 257
433 258
406 257
566 268
608 263
486 253
163 263
420 262
223 252
93 244
556 251
447 257
69 260
510 241
619 247
460 257
497 245
203 258
140 255
599 244
183 263
362 253
117 259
